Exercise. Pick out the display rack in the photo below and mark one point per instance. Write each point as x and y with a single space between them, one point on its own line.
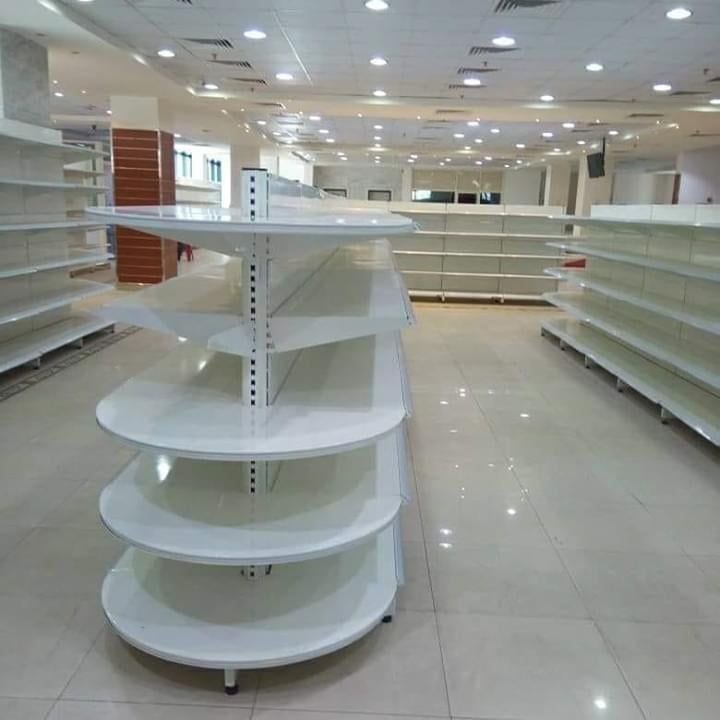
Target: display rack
42 243
478 252
647 308
262 511
189 191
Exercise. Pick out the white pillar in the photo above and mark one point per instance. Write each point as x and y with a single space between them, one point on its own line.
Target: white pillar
557 184
596 191
241 156
407 185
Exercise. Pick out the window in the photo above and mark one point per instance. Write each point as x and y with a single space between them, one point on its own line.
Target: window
436 196
214 170
381 195
183 164
339 192
489 198
467 198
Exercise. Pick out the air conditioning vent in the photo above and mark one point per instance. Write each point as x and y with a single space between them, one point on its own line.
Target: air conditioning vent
426 139
461 86
704 135
490 50
185 2
646 115
582 130
687 93
476 71
233 63
249 81
211 42
450 111
509 5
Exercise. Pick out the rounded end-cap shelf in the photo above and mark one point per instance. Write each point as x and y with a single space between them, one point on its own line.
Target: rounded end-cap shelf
214 617
200 512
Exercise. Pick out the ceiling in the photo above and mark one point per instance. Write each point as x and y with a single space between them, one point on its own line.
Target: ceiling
326 45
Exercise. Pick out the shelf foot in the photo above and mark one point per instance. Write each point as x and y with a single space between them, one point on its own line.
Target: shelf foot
36 363
589 364
231 684
79 343
563 345
620 386
543 332
666 416
387 619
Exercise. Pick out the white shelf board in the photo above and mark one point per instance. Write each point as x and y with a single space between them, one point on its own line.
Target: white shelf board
675 267
70 153
43 302
498 235
515 276
40 225
197 187
33 345
48 185
200 511
76 259
673 351
511 256
82 172
469 295
691 404
213 617
228 231
632 224
674 309
335 398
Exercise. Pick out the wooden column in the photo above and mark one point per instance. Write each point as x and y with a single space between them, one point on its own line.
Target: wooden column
143 174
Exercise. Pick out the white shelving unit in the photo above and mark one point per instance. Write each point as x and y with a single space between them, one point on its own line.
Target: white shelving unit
189 191
43 240
647 307
262 511
478 252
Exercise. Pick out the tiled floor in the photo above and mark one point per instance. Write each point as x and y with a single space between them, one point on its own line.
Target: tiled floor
563 553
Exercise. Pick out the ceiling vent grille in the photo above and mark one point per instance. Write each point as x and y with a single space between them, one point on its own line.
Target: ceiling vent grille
450 111
509 5
212 42
646 115
489 50
476 71
715 79
249 81
184 2
461 86
687 93
704 135
233 63
582 130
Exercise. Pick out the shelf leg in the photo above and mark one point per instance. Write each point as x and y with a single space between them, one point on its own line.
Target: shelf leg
620 386
231 684
79 343
666 416
563 345
388 616
543 332
37 363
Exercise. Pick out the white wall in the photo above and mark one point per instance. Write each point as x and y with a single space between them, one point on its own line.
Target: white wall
199 167
700 170
638 188
357 180
522 187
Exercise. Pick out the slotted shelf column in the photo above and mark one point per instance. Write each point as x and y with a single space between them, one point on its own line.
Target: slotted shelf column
262 511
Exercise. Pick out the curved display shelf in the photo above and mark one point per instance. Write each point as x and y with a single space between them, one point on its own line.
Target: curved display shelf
74 290
355 293
76 260
335 398
675 309
200 511
212 617
229 231
492 235
48 185
673 351
637 223
686 401
671 266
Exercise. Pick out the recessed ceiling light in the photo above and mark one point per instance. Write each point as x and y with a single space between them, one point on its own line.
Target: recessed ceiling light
678 13
473 123
594 67
377 127
262 122
378 145
377 137
520 146
359 115
323 131
108 112
494 131
411 160
85 1
547 134
519 162
506 165
569 125
314 118
557 150
503 41
613 132
419 117
488 158
479 141
377 5
458 135
377 162
715 101
467 147
379 93
478 162
448 159
329 140
343 157
255 34
177 135
547 98
472 82
442 163
283 76
83 92
166 53
662 87
378 61
210 86
581 142
276 133
58 94
414 156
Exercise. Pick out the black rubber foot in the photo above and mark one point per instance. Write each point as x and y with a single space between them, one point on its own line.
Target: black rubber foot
231 690
387 619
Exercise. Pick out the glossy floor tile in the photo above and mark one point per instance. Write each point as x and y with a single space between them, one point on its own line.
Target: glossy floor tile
562 552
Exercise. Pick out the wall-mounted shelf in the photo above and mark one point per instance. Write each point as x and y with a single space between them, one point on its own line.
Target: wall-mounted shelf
37 224
75 259
262 512
646 306
49 185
